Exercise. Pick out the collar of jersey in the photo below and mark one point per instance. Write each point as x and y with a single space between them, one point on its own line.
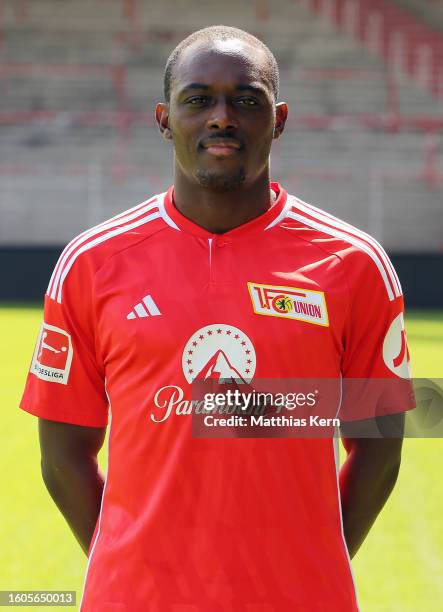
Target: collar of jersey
260 223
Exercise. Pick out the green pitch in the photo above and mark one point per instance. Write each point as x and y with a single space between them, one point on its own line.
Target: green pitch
398 569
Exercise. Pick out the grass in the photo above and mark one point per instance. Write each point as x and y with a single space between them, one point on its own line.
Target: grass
398 569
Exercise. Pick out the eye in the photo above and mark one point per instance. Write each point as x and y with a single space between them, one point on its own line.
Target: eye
246 101
196 100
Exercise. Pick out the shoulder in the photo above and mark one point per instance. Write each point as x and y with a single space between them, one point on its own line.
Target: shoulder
363 258
88 251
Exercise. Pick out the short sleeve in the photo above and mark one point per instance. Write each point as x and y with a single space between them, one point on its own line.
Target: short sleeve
66 379
375 363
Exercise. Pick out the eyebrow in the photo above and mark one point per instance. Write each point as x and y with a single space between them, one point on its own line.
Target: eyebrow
253 88
204 87
193 86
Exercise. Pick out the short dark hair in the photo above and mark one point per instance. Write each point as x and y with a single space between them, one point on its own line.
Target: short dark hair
216 33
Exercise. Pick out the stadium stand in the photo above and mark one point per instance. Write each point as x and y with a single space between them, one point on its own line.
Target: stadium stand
79 80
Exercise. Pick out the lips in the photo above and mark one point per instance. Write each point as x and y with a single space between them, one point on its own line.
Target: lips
221 147
226 143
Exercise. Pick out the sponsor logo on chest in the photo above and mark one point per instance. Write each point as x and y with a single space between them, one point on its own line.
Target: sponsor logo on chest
289 302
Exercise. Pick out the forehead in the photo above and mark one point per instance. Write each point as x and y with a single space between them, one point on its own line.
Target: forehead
221 63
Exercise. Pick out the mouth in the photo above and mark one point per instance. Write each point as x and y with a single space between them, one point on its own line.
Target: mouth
221 147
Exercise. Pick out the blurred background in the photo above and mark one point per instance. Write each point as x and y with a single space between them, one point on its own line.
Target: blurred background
79 80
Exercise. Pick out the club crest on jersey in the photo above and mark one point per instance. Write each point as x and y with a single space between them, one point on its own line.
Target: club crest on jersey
53 354
219 351
289 302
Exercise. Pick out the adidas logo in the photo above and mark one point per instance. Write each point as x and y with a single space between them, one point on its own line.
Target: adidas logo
147 307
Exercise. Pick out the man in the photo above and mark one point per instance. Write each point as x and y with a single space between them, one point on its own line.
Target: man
184 287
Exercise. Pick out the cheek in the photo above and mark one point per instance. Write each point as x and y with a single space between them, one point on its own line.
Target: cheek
262 149
184 149
182 138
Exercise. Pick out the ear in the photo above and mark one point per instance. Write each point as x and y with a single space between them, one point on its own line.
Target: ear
162 118
281 114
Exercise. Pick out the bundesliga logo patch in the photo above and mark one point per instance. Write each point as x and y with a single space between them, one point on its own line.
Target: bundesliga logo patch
290 303
53 355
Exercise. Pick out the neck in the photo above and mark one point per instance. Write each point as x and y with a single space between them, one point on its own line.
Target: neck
219 212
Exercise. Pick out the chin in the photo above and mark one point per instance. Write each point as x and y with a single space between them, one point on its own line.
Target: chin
220 182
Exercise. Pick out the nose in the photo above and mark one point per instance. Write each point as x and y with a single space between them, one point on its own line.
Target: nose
221 118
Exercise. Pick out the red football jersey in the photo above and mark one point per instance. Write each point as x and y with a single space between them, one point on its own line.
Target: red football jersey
138 308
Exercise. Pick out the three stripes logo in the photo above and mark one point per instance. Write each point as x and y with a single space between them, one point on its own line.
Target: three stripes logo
146 308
